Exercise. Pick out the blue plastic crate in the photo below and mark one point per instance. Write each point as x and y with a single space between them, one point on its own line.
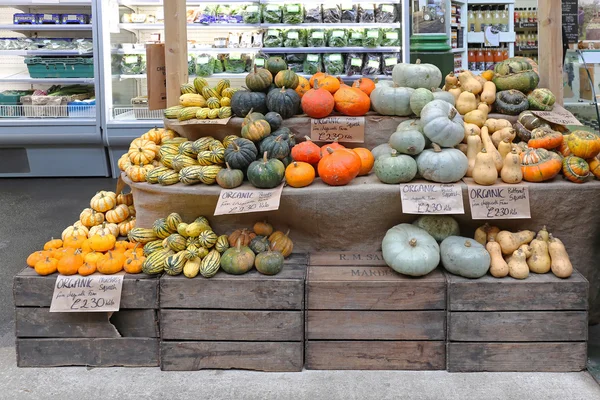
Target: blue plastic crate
75 19
81 108
25 19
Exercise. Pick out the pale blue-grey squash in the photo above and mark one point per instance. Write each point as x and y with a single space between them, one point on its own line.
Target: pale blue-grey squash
389 99
410 250
419 99
448 97
442 123
438 226
381 150
407 141
417 75
395 168
464 257
410 124
442 165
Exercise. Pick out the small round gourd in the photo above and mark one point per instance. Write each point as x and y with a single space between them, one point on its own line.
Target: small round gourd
464 257
407 141
395 168
229 178
442 165
438 226
274 119
269 262
442 123
410 250
260 244
266 173
237 260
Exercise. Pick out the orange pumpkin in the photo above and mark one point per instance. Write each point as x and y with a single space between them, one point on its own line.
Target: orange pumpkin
303 86
367 160
122 246
92 257
317 102
563 149
63 252
351 101
136 249
333 145
594 164
125 198
46 266
329 83
545 138
306 151
584 144
488 75
299 174
364 84
69 264
53 244
133 265
111 263
539 165
74 241
86 269
102 242
319 76
339 167
36 256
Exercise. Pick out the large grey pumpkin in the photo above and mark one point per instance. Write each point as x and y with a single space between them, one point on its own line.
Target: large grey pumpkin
448 97
417 75
407 141
410 250
389 99
395 168
381 150
442 165
419 99
410 124
464 257
442 123
438 226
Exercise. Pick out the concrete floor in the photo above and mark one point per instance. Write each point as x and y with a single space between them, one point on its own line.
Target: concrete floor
31 210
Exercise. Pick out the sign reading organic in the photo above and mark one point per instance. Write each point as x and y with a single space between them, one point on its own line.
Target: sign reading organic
500 201
344 129
93 293
558 115
241 201
431 198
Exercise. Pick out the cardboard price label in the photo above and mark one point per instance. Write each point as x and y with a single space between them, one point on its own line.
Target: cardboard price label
500 201
241 201
344 129
93 293
431 198
218 121
558 115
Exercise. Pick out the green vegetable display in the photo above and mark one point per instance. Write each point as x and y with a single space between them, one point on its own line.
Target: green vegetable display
316 38
356 37
334 64
294 38
354 64
205 65
252 14
337 38
191 64
273 38
389 61
218 66
391 37
312 64
271 13
295 61
293 13
132 64
235 63
386 13
373 38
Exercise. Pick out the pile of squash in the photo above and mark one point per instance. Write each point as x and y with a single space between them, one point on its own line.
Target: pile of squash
417 249
199 101
90 244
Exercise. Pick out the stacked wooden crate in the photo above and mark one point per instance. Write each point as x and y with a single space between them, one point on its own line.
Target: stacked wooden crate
249 321
361 314
536 324
128 337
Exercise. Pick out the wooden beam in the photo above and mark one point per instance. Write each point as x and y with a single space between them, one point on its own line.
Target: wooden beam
550 41
175 48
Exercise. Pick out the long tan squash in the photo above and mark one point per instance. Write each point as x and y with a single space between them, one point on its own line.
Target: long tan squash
544 234
510 242
488 95
504 148
539 262
517 266
476 117
488 145
511 170
561 264
484 171
474 146
469 83
466 102
494 124
498 267
504 133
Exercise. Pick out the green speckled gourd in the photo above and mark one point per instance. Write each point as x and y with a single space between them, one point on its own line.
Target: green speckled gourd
210 264
229 178
152 176
173 220
287 78
260 244
438 226
259 79
266 173
515 73
541 99
237 260
225 112
207 239
269 262
180 161
255 127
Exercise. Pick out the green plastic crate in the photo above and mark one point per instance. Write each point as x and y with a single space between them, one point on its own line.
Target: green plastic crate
13 97
46 67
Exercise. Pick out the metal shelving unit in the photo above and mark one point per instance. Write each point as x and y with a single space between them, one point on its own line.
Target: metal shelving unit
45 28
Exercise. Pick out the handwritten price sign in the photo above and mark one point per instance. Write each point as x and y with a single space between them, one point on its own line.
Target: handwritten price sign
501 201
431 198
241 201
558 115
93 293
344 129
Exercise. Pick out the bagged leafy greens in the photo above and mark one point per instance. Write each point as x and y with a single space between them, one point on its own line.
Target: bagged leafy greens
389 61
386 13
373 38
252 14
334 63
235 63
366 13
372 64
332 14
205 64
132 64
337 38
316 38
273 38
294 38
207 15
349 13
295 62
191 64
260 60
293 13
354 64
391 37
356 37
219 64
312 64
313 14
271 13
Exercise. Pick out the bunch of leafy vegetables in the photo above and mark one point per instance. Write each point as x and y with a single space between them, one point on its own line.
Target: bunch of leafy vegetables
334 63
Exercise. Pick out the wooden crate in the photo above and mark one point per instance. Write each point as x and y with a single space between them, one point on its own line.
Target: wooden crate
249 321
536 324
128 337
361 314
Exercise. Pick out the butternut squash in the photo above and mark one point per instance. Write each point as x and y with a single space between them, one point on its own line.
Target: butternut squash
488 145
560 263
471 129
494 125
474 146
509 242
469 83
543 233
526 250
504 133
481 234
511 170
480 79
488 95
484 108
517 266
498 267
539 262
455 92
476 117
504 148
466 102
484 171
492 232
462 147
451 81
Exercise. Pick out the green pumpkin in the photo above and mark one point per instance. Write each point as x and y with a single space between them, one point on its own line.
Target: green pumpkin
266 173
269 262
395 168
274 119
259 79
287 78
284 101
511 102
237 260
275 147
230 178
515 73
287 161
541 99
243 101
288 136
276 64
419 99
438 226
255 127
260 244
410 250
240 153
407 141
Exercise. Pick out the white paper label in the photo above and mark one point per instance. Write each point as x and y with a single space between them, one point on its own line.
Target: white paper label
202 60
93 293
344 129
235 56
293 8
357 35
317 35
259 62
424 197
241 201
273 32
312 58
252 9
373 64
347 5
390 61
272 7
373 34
500 201
131 59
47 16
337 34
292 35
335 57
356 62
391 35
387 8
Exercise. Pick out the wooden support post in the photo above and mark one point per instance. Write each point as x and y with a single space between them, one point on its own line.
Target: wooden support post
175 48
550 44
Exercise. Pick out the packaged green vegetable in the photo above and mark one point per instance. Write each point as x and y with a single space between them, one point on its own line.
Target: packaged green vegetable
313 14
293 13
391 37
389 61
271 13
260 60
191 64
295 62
372 64
366 13
354 64
356 37
334 63
294 38
132 64
373 38
205 64
332 14
349 12
219 68
337 38
316 38
273 38
234 63
251 14
312 64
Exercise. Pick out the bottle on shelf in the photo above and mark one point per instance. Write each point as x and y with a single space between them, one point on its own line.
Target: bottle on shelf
480 60
489 59
472 59
498 57
487 18
478 18
496 18
517 16
504 19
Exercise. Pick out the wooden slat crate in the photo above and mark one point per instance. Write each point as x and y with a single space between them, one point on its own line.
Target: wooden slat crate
249 321
128 337
538 324
361 314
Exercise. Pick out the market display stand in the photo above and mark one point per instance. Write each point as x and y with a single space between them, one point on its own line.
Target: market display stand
126 338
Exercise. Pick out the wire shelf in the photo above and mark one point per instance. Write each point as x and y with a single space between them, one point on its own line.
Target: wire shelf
135 113
48 111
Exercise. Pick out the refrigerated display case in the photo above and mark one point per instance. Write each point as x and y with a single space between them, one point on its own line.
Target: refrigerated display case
582 87
49 121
